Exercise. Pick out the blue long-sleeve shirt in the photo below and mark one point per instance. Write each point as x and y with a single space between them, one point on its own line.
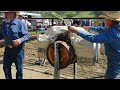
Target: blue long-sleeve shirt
110 37
16 30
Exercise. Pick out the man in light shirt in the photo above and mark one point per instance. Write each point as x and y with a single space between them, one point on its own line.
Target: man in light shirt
26 22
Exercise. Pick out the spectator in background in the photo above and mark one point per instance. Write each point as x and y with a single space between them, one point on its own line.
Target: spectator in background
86 22
26 22
90 22
76 22
101 23
83 23
63 23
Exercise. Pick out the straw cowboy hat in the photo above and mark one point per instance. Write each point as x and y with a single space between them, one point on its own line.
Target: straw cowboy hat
20 13
1 16
113 15
23 14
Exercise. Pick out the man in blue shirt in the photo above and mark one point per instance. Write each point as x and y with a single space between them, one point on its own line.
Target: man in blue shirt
110 36
15 35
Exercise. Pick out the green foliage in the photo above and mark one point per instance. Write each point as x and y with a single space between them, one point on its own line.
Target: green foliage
48 14
85 14
32 32
97 13
70 14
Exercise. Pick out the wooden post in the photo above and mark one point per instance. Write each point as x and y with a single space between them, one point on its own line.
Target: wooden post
74 70
97 51
74 67
56 61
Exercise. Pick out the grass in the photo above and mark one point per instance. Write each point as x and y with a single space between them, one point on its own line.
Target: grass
32 32
30 41
38 32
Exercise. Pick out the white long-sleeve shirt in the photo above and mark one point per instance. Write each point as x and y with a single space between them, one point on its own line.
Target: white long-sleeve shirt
27 23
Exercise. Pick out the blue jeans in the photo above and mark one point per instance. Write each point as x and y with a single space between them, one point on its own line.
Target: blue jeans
15 55
113 69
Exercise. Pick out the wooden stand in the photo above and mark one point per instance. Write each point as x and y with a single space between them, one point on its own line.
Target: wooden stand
57 63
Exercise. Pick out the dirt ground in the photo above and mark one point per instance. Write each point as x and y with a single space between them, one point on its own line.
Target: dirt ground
32 71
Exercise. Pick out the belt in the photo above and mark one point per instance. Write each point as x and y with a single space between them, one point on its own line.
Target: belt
10 46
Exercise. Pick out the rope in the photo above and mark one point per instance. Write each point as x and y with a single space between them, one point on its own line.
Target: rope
67 22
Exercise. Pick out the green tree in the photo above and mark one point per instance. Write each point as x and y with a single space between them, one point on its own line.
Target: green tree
97 13
70 14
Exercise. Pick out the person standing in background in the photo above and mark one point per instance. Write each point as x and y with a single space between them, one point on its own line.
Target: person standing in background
26 22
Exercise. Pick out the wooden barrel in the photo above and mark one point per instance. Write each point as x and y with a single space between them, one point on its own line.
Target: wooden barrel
66 54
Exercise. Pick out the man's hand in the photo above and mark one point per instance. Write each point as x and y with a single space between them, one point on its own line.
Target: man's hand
86 27
73 29
16 42
1 41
